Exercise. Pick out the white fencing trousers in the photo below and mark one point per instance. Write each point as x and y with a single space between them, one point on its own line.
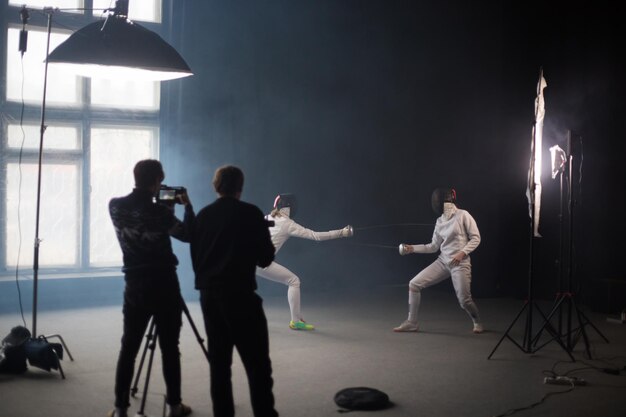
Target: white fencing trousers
436 272
278 273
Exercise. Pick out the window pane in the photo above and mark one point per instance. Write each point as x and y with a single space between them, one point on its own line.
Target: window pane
62 88
45 3
59 215
114 153
146 10
55 137
125 93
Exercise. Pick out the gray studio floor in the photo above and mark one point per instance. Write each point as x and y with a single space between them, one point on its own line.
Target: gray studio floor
441 371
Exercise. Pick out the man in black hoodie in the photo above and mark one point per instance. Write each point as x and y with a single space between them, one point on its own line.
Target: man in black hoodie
230 239
143 229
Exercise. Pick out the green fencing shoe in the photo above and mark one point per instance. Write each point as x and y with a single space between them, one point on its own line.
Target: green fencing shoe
300 325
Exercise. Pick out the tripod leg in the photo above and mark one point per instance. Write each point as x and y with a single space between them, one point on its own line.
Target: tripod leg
546 323
557 308
195 331
60 367
582 332
506 333
587 321
549 328
583 320
58 336
570 340
149 337
148 372
555 336
56 355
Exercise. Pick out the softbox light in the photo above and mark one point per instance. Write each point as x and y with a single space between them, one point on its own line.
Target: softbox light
119 48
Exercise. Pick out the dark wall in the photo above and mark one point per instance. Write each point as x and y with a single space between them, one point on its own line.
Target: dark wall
579 45
361 108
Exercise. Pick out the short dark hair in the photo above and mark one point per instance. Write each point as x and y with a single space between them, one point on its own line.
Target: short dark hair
228 180
147 172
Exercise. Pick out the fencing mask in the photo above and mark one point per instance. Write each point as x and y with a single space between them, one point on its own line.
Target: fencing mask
440 196
286 201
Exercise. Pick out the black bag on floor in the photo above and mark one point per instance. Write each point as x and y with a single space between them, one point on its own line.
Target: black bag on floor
12 353
361 398
43 354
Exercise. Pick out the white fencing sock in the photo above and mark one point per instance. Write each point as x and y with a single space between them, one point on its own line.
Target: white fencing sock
293 297
472 311
414 305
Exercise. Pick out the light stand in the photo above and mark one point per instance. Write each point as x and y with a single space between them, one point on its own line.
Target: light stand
115 46
565 299
527 343
42 131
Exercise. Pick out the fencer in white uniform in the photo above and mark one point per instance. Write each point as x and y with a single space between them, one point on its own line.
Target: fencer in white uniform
284 228
456 235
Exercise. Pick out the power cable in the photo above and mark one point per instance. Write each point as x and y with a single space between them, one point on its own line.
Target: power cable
613 369
607 367
533 405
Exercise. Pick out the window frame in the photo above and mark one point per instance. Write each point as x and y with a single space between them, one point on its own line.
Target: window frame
83 115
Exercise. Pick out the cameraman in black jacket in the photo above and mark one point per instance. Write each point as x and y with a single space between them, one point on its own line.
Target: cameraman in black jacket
230 239
143 230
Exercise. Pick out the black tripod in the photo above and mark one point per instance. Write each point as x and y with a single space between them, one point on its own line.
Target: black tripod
527 345
565 303
150 344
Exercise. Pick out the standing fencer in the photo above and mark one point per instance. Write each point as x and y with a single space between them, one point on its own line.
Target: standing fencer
285 227
456 235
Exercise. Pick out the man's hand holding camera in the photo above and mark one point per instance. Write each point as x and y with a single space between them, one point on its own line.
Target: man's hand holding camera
170 196
183 198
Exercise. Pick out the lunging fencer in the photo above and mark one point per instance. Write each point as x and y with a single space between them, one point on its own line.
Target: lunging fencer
284 228
456 235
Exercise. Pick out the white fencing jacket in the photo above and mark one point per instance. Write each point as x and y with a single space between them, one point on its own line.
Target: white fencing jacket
458 233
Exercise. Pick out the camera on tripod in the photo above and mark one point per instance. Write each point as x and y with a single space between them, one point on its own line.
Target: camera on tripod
168 195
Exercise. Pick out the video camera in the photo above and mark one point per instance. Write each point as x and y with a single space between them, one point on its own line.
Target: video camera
169 195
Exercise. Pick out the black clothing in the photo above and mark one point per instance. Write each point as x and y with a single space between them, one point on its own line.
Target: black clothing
164 304
238 320
230 239
143 230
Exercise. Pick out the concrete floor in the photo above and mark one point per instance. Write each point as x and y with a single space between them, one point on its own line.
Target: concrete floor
441 371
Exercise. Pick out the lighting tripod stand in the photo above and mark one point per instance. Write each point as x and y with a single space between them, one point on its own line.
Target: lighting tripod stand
24 17
565 302
528 343
150 344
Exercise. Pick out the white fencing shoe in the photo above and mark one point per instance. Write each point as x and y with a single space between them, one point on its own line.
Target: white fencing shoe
406 326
